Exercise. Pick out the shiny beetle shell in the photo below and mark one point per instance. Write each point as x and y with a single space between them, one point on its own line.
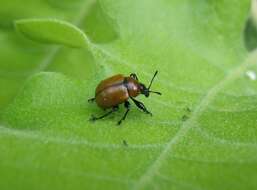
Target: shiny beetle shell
116 90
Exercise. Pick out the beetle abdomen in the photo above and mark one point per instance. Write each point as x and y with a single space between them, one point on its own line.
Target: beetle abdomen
112 96
111 92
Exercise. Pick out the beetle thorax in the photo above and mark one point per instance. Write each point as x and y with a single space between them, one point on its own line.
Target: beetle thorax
132 86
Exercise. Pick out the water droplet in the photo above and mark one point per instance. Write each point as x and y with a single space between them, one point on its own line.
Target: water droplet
251 75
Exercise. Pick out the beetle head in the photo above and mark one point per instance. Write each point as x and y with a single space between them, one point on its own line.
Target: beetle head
146 91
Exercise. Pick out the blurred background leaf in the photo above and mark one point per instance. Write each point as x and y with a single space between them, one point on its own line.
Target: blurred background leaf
203 131
52 31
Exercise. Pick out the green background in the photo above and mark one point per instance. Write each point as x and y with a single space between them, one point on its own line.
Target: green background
203 133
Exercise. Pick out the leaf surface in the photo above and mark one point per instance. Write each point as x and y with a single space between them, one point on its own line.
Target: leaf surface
203 131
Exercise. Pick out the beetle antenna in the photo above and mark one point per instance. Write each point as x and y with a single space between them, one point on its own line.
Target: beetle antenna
155 92
152 80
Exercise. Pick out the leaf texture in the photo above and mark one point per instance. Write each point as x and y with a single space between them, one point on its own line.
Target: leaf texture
203 131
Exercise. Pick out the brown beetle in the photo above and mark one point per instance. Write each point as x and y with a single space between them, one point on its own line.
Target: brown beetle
117 90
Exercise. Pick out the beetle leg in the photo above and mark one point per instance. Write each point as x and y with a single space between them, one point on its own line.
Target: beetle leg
91 100
133 75
93 118
127 106
141 106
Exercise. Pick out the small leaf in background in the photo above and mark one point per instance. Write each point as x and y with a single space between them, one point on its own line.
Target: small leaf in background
52 31
21 58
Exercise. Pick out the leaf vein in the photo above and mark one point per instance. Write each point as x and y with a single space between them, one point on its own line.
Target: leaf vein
186 126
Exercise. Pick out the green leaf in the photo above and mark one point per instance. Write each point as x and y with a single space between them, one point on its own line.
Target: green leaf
97 21
52 31
21 58
202 134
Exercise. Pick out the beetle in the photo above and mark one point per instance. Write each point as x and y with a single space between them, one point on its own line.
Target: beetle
119 89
